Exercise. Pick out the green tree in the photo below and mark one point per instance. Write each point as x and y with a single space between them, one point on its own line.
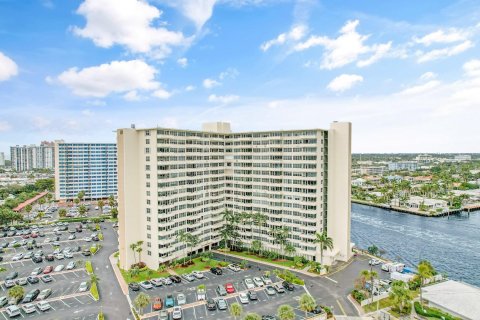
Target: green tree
401 297
76 201
373 250
286 312
100 205
425 271
134 272
324 241
290 249
182 237
307 303
259 220
192 241
139 250
133 247
94 279
111 201
81 195
62 213
114 213
141 301
82 210
252 316
256 245
16 292
28 208
235 310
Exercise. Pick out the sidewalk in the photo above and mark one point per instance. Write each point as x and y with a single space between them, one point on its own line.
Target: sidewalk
118 274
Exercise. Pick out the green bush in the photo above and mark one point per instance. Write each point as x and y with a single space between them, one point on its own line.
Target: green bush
88 266
101 316
432 312
358 295
289 276
223 263
94 291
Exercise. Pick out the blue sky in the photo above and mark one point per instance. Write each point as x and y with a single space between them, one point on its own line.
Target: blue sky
406 74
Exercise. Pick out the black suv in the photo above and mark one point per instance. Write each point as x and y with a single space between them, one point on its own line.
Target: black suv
175 279
211 305
287 285
37 259
217 271
31 296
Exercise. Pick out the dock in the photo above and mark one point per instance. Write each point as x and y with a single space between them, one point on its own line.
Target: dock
414 212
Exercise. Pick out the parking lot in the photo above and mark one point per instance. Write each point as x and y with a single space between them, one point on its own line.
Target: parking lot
193 309
66 301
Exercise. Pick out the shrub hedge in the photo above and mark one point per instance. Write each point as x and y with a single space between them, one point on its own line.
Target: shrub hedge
433 312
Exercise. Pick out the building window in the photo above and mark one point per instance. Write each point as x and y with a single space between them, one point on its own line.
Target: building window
149 252
147 141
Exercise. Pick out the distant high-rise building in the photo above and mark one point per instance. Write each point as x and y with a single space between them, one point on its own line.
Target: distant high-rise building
26 158
88 167
403 165
173 180
463 157
2 159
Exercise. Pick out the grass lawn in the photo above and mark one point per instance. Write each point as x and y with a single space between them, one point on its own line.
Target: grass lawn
198 266
373 306
143 275
283 263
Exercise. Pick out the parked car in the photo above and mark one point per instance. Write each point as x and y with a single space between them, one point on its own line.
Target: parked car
49 257
198 275
243 297
188 277
177 313
169 301
11 275
156 282
164 315
44 294
37 259
59 268
216 271
15 300
146 285
279 288
175 278
47 269
229 288
17 257
221 291
252 295
47 278
32 279
43 306
12 311
21 282
3 301
317 310
221 304
134 286
83 287
68 255
72 237
36 271
181 299
31 296
270 290
167 281
28 255
374 262
9 283
249 283
266 280
201 294
258 282
234 267
211 305
268 317
157 303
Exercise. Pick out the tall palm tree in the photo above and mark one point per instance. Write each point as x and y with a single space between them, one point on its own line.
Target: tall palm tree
182 236
133 247
307 303
82 210
259 219
400 296
286 312
111 201
290 249
192 241
141 301
325 243
76 201
100 205
139 249
81 195
235 310
425 271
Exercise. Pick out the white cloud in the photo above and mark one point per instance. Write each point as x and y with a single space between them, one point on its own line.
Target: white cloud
428 76
198 11
441 36
131 96
114 77
421 88
97 103
8 67
223 99
444 52
183 62
348 47
210 83
190 88
472 68
4 126
296 33
344 82
127 23
87 112
230 73
162 94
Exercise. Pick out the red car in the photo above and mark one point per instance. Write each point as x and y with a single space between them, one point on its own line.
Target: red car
229 288
26 236
34 235
47 269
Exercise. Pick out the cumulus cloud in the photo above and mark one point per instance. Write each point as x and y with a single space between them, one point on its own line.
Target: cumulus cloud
162 94
344 82
189 88
114 77
210 83
443 52
472 68
442 36
226 99
8 67
129 23
421 88
347 48
296 33
131 96
183 62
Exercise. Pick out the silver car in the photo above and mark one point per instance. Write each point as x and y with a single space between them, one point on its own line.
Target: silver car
258 282
243 298
181 299
249 283
177 313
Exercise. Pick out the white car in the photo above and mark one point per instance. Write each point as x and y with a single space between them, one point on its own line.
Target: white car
71 237
201 294
181 299
28 308
198 275
37 271
71 265
234 267
47 240
87 239
374 262
59 256
43 306
13 311
146 285
59 268
243 297
177 313
17 257
167 281
266 280
258 282
83 287
156 282
249 283
68 255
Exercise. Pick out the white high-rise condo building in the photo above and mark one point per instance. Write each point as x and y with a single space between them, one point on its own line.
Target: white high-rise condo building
26 158
172 180
88 167
2 159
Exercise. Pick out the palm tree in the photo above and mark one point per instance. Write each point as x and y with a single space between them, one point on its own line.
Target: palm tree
252 316
290 249
100 205
82 210
76 201
259 219
16 292
400 296
307 303
114 212
368 276
235 310
134 272
133 247
182 236
81 195
192 241
286 312
94 279
141 301
139 250
325 243
256 245
28 208
111 201
62 213
425 271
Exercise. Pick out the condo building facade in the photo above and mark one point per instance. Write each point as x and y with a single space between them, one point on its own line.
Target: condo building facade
30 157
88 167
172 180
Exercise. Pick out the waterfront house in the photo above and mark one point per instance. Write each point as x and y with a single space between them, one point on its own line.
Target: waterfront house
429 204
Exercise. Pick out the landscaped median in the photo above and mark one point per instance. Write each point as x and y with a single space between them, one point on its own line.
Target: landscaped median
251 255
93 280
